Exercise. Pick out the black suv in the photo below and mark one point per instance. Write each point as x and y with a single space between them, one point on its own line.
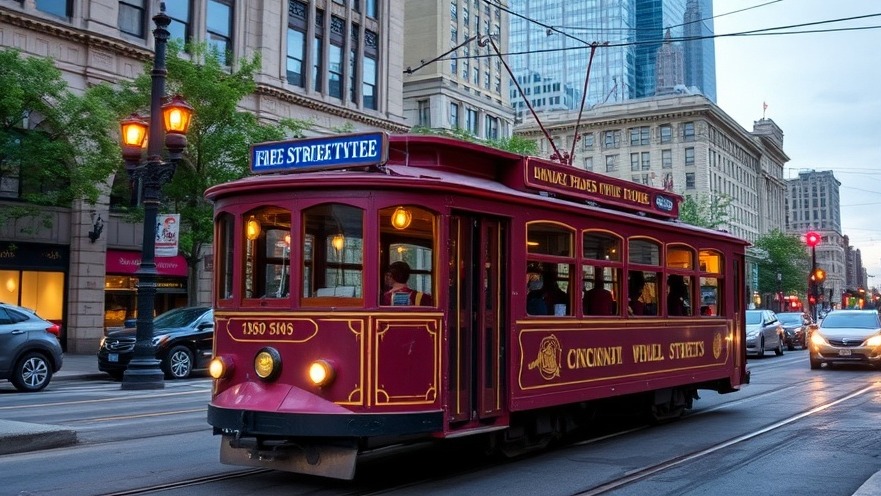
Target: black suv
29 349
182 337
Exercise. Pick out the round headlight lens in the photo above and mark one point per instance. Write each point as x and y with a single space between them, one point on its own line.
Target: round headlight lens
321 373
220 367
817 339
267 364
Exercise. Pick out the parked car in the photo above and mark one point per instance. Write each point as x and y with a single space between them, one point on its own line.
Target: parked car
795 328
763 332
182 337
29 349
852 336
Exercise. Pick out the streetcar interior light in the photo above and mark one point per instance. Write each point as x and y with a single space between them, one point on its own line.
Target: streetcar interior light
321 373
220 367
267 364
338 242
401 218
252 229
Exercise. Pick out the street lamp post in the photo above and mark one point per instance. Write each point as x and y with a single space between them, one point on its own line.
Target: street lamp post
779 292
143 370
813 239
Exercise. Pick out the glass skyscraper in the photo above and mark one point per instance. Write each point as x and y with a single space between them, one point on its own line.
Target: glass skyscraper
549 45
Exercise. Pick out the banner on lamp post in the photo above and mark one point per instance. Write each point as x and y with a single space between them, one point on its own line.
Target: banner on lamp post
167 234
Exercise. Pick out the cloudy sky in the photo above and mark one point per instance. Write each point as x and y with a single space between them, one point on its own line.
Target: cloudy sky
824 91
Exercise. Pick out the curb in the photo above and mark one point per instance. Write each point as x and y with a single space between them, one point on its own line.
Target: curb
20 437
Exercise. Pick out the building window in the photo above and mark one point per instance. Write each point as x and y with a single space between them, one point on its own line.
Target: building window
370 8
689 156
492 127
666 159
353 65
369 80
612 139
587 163
634 161
611 163
181 21
454 13
639 136
61 8
587 141
688 131
689 180
646 161
317 55
454 115
471 121
424 113
454 63
220 28
131 18
666 133
296 49
335 63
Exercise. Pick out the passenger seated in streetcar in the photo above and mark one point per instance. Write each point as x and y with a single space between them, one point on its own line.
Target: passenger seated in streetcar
677 296
635 285
556 299
535 298
399 293
599 300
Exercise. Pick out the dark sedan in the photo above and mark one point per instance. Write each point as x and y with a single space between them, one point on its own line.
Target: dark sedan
795 328
182 338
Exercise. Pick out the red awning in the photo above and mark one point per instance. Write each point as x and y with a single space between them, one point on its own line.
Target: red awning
127 262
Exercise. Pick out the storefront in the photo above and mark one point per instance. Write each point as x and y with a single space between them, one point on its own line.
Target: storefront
34 275
121 286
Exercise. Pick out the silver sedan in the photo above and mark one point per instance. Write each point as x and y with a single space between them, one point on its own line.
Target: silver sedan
764 332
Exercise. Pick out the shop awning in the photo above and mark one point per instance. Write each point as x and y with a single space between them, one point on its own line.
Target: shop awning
127 262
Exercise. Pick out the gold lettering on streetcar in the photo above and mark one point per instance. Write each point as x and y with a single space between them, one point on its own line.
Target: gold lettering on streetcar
550 355
688 349
647 353
581 358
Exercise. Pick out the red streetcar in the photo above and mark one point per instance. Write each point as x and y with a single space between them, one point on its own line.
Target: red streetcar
375 290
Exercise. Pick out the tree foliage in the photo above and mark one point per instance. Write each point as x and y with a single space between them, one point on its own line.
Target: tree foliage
709 211
788 256
55 146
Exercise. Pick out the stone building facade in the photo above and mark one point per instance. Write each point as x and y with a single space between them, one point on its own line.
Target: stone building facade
335 63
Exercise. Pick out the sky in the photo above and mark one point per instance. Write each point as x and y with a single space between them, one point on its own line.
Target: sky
822 89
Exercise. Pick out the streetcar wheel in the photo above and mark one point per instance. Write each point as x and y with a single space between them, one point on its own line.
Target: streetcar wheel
32 373
179 363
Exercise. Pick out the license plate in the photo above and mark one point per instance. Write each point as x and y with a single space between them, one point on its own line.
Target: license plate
843 352
114 357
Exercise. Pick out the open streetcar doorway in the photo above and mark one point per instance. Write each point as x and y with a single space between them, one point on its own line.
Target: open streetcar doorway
478 250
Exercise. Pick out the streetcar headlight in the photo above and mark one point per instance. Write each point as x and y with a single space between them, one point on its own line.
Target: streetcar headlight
321 373
267 364
874 341
220 367
817 339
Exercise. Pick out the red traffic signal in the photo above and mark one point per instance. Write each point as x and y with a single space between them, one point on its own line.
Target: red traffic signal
812 299
812 239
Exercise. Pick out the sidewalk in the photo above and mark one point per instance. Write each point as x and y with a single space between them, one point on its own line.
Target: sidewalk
19 437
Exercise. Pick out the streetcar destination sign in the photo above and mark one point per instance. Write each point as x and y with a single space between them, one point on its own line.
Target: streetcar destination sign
329 152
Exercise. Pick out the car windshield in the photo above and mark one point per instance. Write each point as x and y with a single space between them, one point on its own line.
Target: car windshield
753 318
179 317
841 320
789 318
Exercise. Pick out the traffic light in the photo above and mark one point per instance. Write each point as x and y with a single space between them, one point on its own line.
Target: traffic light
812 239
818 276
812 299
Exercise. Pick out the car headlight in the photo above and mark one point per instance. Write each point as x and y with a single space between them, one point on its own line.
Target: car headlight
157 340
874 341
101 343
818 339
752 334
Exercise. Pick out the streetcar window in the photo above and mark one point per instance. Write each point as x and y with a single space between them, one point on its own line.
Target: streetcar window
333 255
643 251
225 251
601 290
679 257
711 268
407 235
601 246
267 253
642 293
679 295
550 252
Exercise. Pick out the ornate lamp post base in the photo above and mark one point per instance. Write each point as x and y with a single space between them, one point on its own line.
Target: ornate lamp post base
143 374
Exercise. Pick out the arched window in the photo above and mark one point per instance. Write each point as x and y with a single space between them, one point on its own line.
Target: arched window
267 232
333 255
550 260
680 281
601 273
711 264
407 241
644 277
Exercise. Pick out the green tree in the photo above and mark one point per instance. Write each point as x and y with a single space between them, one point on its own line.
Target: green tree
219 138
55 146
710 211
788 256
